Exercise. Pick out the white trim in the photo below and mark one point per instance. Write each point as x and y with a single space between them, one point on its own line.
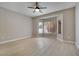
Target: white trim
60 17
72 42
77 45
51 16
69 42
3 42
60 39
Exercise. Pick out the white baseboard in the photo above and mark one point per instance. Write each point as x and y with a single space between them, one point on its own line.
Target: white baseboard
77 45
60 39
72 42
66 41
20 38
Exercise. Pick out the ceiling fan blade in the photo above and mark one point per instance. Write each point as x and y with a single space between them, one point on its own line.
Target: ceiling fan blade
34 11
40 11
43 7
31 7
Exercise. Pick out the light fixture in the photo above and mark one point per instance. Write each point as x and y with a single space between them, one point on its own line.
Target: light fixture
37 10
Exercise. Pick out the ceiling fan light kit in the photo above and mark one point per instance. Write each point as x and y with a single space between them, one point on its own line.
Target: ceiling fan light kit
37 10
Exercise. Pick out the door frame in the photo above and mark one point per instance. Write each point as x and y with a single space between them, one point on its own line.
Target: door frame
59 17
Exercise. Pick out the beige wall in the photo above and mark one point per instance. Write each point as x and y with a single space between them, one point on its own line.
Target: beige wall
68 23
14 25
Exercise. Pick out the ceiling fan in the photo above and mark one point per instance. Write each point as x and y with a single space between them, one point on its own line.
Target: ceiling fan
37 8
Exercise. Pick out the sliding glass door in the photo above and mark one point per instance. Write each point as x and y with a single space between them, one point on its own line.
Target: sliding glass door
47 27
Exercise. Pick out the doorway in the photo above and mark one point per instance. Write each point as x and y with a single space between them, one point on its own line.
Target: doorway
51 27
47 27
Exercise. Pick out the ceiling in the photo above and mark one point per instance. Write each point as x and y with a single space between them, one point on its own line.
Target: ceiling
21 7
